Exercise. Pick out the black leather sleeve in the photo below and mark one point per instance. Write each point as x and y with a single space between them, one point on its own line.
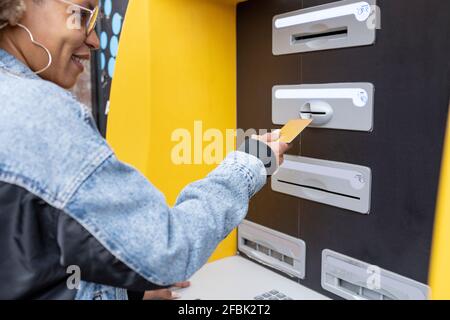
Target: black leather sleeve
78 247
262 151
135 295
37 244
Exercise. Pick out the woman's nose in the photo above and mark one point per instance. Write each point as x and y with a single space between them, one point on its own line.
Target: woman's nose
92 41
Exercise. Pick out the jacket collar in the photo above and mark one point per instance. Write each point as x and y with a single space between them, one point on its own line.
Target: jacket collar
12 65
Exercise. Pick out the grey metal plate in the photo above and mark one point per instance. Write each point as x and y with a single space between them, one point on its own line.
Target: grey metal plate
337 184
351 104
356 280
290 252
335 25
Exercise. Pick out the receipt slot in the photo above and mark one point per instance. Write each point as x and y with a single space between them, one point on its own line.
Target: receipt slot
344 106
342 185
335 25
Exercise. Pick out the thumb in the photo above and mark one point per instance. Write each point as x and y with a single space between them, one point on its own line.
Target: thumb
274 136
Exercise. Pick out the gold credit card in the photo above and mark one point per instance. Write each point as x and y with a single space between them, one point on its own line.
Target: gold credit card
292 129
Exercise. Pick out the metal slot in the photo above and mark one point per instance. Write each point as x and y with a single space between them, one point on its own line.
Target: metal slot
320 189
330 34
356 280
343 106
335 25
350 287
272 248
269 252
337 184
309 114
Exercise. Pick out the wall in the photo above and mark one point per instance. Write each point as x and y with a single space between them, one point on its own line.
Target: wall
176 65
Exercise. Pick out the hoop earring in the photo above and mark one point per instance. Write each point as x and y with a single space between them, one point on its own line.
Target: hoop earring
39 45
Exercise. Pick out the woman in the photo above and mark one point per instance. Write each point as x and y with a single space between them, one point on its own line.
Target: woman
75 222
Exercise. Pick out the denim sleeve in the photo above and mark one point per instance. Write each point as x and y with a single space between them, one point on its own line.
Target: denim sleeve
165 245
263 152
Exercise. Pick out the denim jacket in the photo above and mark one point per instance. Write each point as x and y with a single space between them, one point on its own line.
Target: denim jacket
49 145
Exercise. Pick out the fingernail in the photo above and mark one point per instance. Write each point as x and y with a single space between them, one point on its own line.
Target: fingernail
276 133
175 295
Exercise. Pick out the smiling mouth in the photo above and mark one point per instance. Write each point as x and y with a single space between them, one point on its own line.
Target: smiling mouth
80 61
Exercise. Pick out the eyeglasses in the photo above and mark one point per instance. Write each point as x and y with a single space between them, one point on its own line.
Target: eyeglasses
88 17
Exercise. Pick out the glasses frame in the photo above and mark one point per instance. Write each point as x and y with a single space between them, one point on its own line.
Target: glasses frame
92 13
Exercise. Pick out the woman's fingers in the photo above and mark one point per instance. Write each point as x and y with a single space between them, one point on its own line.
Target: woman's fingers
183 284
166 294
273 136
268 137
284 147
272 140
279 148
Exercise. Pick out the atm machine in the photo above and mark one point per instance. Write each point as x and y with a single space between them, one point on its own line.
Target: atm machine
359 190
351 212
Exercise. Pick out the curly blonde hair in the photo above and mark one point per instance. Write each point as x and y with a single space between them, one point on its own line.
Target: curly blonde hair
11 11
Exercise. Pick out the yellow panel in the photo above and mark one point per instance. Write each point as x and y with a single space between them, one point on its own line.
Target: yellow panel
176 65
129 129
440 262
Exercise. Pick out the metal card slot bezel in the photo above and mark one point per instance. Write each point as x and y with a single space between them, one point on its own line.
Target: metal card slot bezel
345 114
337 184
360 31
353 279
292 249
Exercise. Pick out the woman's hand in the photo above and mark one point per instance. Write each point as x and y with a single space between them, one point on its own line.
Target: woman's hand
165 294
272 140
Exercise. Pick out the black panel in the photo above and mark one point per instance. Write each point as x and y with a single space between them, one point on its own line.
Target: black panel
109 28
409 66
258 72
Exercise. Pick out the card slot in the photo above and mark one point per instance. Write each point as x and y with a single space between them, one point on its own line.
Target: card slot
336 33
320 189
